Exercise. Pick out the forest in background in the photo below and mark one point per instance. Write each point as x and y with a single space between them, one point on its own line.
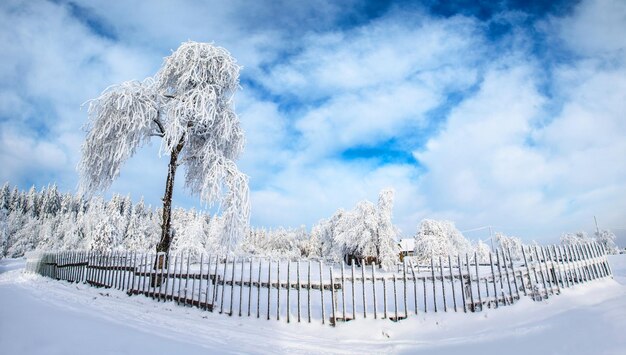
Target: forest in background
50 220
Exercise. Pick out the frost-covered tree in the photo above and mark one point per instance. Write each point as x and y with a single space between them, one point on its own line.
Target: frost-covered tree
366 231
482 251
575 238
514 244
323 237
386 238
439 238
606 238
189 104
4 231
5 197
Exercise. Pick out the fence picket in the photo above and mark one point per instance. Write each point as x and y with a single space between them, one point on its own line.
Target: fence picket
299 286
278 291
432 273
469 282
458 263
288 288
443 286
258 296
406 310
414 285
363 287
374 287
508 278
480 299
269 286
322 290
452 282
353 296
343 291
249 288
493 276
308 292
240 286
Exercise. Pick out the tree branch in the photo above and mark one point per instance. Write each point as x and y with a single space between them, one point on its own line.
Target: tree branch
160 125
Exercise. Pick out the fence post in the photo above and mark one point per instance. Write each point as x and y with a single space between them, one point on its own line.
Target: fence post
322 290
232 286
566 266
432 273
250 286
543 278
513 271
443 286
374 287
278 290
353 295
299 287
308 293
480 298
258 296
414 284
384 297
452 282
258 290
493 276
508 278
395 297
343 291
458 261
288 288
333 298
469 282
363 287
269 286
240 287
406 310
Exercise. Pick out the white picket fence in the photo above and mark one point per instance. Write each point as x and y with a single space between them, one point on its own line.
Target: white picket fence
310 290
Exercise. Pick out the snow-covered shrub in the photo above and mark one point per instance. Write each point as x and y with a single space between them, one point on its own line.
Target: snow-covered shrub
482 251
606 239
439 238
575 238
509 243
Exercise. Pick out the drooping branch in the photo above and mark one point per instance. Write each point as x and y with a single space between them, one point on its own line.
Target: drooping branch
120 121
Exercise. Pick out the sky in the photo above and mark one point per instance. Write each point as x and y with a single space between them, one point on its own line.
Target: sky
510 114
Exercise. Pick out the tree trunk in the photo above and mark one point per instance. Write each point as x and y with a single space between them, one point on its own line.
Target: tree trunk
164 243
166 233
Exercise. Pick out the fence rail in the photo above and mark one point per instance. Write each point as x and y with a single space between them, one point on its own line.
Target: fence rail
310 290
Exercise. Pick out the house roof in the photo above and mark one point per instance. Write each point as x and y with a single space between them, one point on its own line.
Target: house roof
407 244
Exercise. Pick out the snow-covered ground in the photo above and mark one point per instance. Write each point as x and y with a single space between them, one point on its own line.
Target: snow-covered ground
42 316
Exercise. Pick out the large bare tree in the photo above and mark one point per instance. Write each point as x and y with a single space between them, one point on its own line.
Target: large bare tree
189 104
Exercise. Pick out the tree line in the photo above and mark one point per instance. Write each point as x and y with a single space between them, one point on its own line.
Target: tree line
47 219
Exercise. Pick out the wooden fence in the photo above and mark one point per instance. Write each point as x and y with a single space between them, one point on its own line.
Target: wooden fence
310 290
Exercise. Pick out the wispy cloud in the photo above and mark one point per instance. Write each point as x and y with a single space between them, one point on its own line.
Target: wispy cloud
512 117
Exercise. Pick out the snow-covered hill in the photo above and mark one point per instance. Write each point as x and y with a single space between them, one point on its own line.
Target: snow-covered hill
42 316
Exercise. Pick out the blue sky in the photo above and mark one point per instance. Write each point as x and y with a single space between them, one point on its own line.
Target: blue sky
510 113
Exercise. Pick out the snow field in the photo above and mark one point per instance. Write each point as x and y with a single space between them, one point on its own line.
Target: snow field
40 315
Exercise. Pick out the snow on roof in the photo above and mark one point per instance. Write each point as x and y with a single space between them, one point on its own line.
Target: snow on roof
407 244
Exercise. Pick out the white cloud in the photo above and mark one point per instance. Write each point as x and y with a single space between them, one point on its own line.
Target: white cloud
511 153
